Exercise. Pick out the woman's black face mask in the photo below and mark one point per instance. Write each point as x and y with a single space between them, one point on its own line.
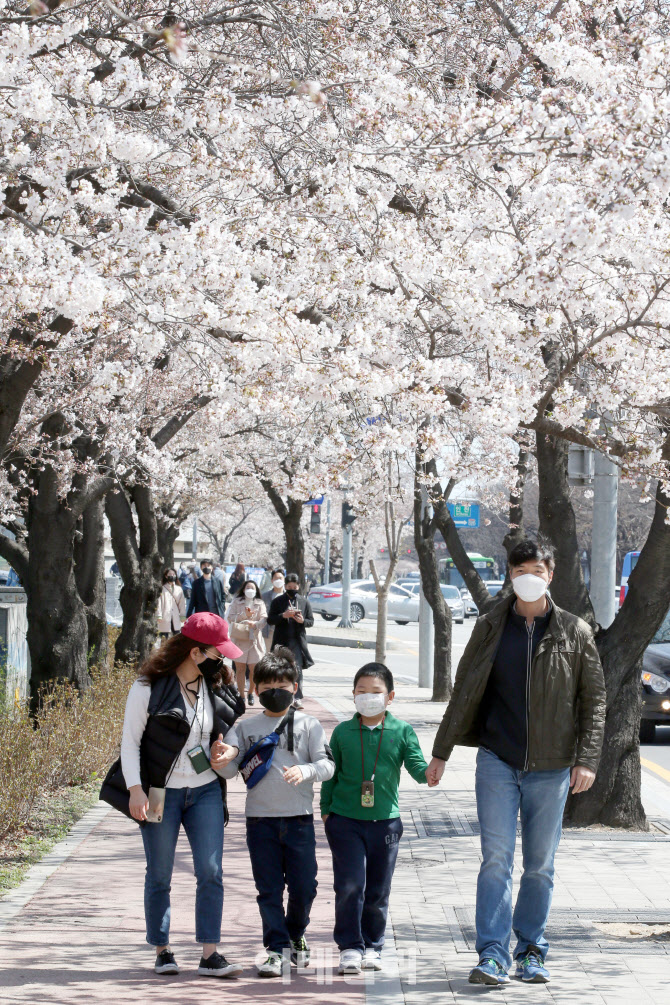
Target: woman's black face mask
210 667
276 699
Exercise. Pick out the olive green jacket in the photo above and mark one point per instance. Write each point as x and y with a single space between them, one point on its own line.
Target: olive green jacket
566 707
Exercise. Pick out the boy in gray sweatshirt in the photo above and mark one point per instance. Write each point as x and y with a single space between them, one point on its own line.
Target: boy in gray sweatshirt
280 822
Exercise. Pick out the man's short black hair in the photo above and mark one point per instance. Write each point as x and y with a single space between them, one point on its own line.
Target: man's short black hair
375 670
276 572
293 577
531 551
278 665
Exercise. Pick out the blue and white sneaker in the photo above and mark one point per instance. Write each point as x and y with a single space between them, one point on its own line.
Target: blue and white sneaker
490 972
531 968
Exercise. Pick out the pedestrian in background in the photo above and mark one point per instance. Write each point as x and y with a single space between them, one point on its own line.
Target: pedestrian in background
237 579
171 605
247 617
207 592
276 590
290 615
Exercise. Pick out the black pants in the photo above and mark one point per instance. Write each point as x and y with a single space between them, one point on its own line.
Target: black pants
283 854
364 857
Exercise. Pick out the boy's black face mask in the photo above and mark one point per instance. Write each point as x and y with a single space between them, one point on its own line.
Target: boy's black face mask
276 699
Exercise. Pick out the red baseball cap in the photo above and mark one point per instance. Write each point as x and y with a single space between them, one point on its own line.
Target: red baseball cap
210 630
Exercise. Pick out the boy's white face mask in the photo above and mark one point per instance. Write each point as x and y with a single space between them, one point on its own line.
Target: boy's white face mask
370 705
529 587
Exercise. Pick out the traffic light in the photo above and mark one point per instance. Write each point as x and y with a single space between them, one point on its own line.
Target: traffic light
347 514
315 520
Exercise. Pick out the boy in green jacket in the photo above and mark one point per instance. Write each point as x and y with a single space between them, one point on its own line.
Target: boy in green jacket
359 807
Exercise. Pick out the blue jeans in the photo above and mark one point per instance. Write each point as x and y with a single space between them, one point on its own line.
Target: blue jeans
503 792
364 858
283 854
200 810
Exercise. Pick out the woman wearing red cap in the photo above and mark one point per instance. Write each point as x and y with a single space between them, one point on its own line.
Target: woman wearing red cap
177 713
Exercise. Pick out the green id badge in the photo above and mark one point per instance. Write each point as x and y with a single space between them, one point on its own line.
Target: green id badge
368 794
198 759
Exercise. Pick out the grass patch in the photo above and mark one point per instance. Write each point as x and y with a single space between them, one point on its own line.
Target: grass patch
54 813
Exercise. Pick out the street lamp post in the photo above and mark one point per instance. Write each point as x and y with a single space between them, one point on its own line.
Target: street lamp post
426 634
347 520
326 561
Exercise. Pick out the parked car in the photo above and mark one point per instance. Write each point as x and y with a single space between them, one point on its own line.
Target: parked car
471 609
655 683
494 586
403 606
452 595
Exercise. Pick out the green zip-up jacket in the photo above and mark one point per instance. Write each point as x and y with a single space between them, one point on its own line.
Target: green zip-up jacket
342 793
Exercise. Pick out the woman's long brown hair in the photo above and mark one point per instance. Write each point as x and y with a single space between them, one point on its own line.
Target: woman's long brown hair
171 654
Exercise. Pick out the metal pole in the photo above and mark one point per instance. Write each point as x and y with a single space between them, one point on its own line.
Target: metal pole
195 539
326 562
354 566
603 539
346 578
426 633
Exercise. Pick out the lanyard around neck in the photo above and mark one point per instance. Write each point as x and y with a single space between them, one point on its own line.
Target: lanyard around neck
379 746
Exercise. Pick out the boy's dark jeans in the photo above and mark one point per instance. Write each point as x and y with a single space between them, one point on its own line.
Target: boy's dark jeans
364 857
283 853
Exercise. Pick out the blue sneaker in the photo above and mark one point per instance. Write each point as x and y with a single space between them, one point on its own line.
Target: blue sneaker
531 968
490 972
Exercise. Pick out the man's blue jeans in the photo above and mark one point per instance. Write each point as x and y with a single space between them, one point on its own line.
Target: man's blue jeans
200 810
503 792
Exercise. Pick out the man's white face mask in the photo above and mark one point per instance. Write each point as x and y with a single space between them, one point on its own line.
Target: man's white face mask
529 587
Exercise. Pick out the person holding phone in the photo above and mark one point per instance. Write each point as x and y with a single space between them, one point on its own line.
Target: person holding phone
248 617
291 614
182 703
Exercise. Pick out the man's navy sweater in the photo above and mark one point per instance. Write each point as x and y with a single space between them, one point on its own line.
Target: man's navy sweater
503 725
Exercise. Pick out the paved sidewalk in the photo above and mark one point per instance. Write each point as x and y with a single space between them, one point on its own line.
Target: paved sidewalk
80 938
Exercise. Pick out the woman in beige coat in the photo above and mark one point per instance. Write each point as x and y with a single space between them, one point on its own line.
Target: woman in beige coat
247 617
171 605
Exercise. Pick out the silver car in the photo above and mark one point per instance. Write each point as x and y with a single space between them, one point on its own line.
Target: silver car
327 601
450 593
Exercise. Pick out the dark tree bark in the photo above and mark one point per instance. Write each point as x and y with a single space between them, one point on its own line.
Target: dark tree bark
57 633
424 542
140 563
516 530
290 512
615 797
559 527
89 567
169 518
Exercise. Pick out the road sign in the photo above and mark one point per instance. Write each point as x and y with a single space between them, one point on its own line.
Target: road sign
464 514
314 502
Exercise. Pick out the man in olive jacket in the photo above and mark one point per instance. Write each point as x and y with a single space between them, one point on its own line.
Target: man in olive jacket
530 694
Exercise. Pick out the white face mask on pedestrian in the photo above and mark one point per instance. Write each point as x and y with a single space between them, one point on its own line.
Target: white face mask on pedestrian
529 587
278 583
250 594
370 705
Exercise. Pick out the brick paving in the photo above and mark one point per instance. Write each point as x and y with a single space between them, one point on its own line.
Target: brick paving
80 938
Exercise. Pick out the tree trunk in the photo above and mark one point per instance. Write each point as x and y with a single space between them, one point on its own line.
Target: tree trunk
57 626
139 561
559 527
167 532
290 512
89 558
615 797
424 541
516 532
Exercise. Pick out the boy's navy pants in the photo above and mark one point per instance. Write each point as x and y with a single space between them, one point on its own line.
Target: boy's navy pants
364 857
283 854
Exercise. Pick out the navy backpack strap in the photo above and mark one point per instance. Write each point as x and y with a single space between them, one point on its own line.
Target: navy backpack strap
287 721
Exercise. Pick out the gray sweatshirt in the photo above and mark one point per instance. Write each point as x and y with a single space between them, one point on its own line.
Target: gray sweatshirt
272 796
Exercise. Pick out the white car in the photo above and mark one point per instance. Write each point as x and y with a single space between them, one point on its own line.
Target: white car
326 600
452 596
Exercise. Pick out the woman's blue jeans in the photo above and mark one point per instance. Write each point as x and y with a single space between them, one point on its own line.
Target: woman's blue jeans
200 810
503 793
